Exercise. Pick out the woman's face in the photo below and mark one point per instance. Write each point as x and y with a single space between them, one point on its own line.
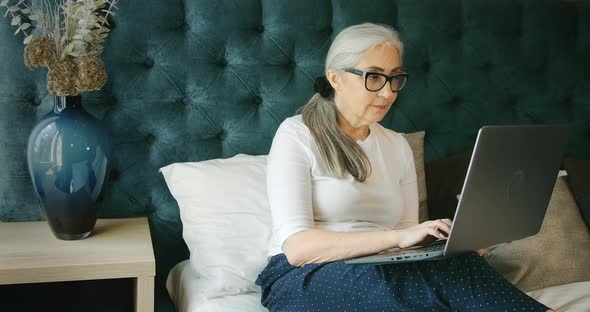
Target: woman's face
358 106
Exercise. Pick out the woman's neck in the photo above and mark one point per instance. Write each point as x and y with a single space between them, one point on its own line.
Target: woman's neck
356 133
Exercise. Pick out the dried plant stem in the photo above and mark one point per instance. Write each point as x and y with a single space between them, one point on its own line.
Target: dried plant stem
13 16
111 5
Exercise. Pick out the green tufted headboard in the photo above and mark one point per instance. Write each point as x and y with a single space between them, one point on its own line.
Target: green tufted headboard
195 80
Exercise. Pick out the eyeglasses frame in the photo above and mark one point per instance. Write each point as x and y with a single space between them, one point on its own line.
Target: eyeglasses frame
388 78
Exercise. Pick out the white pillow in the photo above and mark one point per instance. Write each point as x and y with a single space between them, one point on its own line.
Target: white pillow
186 291
226 219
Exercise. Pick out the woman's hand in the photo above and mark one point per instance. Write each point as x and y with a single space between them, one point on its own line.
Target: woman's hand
482 252
423 232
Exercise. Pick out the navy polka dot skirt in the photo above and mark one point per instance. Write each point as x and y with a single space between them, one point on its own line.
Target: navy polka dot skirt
462 283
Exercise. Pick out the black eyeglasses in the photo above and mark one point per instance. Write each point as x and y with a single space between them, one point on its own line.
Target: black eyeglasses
375 81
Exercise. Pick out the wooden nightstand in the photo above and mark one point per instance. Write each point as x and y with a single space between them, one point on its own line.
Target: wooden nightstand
117 248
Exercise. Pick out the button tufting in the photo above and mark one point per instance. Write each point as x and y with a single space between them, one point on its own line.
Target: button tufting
486 67
150 139
512 101
258 100
222 63
518 33
455 100
186 101
114 175
149 63
35 102
185 27
541 69
221 135
260 29
568 104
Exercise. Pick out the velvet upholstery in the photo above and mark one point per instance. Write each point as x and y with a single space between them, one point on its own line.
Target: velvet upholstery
444 180
200 79
579 182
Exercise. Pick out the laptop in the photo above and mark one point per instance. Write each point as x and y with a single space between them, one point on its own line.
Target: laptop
506 192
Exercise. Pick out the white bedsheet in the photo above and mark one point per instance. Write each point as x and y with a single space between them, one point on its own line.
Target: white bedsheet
574 297
185 289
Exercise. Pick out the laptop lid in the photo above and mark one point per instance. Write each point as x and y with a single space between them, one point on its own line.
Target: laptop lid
508 185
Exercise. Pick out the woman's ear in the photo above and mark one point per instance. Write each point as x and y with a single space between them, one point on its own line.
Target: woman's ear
333 79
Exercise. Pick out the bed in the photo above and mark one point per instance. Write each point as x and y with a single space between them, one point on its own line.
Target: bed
185 289
192 81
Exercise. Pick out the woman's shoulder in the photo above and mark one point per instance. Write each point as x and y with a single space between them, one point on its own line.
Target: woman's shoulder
292 135
294 125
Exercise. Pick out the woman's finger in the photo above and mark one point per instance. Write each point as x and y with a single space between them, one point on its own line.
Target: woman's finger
443 226
437 222
435 231
482 252
448 222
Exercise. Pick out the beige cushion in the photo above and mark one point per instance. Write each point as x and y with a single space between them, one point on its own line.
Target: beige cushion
558 254
416 141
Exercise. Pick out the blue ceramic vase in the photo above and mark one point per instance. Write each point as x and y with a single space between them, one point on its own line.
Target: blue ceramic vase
68 156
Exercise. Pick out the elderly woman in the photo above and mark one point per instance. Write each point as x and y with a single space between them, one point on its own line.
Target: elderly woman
342 186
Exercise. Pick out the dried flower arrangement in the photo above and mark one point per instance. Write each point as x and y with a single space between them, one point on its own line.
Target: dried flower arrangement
66 37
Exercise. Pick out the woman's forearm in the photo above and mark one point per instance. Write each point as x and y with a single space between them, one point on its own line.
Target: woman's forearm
314 246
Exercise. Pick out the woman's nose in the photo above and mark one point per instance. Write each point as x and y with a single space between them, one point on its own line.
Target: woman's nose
386 92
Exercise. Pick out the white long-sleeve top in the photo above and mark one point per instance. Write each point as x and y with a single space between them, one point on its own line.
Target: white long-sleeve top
303 196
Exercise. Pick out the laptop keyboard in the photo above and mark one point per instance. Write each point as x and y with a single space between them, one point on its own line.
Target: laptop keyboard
413 253
426 249
437 246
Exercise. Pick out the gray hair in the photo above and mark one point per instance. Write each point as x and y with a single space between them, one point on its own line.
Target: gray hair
341 153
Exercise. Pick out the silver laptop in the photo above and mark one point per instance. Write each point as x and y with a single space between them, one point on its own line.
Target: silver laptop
509 182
